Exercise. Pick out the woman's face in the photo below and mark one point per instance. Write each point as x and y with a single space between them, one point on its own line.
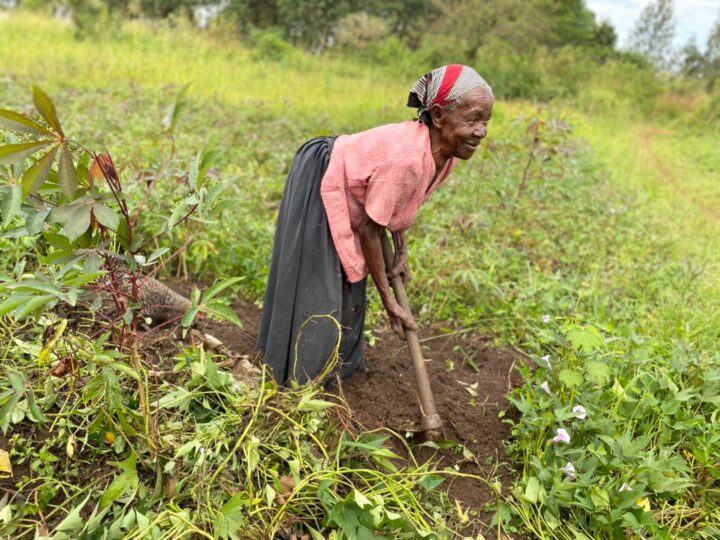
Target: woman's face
461 130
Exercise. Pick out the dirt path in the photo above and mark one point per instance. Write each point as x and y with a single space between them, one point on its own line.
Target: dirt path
673 177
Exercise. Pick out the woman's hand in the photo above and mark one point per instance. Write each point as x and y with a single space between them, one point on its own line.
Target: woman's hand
399 318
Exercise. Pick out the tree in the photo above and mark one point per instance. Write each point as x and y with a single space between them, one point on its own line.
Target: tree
712 56
654 31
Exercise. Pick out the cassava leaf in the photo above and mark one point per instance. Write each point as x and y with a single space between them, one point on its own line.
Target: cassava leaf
46 108
11 203
12 153
105 215
21 123
67 173
37 173
78 222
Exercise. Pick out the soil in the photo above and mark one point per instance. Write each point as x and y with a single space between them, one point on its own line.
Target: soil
470 381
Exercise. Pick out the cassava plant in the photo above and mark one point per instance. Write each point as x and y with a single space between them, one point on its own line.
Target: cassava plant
89 244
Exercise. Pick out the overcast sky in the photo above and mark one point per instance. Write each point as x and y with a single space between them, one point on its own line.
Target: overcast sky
694 17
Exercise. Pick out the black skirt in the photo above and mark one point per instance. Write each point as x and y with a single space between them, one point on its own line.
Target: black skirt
309 304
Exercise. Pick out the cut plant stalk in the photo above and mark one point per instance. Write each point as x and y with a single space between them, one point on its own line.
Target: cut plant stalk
430 421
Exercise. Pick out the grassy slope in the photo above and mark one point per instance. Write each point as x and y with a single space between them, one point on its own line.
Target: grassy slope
633 252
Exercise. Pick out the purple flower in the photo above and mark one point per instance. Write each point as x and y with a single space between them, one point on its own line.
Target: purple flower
546 359
580 412
561 437
546 319
546 387
570 471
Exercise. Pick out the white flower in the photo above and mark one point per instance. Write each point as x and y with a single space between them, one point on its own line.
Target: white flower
546 319
625 487
202 450
546 387
546 359
580 412
562 436
570 471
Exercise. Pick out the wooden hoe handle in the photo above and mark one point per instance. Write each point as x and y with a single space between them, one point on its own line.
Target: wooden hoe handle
430 418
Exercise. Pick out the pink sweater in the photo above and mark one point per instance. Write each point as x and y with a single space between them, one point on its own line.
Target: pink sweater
386 172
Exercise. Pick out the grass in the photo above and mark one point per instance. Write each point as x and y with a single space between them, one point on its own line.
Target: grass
595 248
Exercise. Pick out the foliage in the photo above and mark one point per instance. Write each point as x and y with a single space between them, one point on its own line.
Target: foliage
220 459
654 31
606 260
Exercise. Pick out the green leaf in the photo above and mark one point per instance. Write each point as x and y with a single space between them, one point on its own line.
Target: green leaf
12 302
12 153
223 312
6 411
189 316
31 305
175 109
220 286
77 222
37 173
179 398
586 338
361 500
105 215
598 372
73 521
431 481
120 484
11 203
599 497
21 123
571 378
157 254
532 490
46 108
67 173
307 404
176 215
193 173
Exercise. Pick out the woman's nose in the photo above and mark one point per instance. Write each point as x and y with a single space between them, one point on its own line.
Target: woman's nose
480 131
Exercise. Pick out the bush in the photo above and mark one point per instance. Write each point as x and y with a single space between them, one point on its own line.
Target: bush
269 45
358 31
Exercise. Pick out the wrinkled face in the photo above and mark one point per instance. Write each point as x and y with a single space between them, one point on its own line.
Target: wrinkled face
461 128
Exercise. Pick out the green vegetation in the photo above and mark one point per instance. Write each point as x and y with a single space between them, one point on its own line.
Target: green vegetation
585 234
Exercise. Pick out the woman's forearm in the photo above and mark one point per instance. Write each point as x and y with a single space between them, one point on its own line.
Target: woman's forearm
369 233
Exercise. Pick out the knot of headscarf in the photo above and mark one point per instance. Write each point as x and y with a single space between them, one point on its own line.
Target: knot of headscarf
443 86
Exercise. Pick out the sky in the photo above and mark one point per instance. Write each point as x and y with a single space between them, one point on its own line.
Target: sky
694 17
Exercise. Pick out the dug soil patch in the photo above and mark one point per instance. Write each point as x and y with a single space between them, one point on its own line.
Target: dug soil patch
470 381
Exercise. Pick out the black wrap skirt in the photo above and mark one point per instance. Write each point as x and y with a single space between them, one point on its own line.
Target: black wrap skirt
309 304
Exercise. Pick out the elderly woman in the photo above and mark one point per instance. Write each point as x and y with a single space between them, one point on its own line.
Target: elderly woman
342 193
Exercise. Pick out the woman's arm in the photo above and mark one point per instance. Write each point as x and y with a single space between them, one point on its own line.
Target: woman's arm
401 265
369 233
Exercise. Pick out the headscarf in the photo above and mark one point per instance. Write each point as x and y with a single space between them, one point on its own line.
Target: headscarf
443 86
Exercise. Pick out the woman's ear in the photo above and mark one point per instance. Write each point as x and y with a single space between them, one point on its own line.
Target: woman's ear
437 115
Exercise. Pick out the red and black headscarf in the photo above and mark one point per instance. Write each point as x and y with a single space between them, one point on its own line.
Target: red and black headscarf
443 86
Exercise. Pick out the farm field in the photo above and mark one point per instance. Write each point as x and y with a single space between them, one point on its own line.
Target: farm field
565 280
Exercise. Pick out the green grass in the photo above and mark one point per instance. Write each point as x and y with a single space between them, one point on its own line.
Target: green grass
613 238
